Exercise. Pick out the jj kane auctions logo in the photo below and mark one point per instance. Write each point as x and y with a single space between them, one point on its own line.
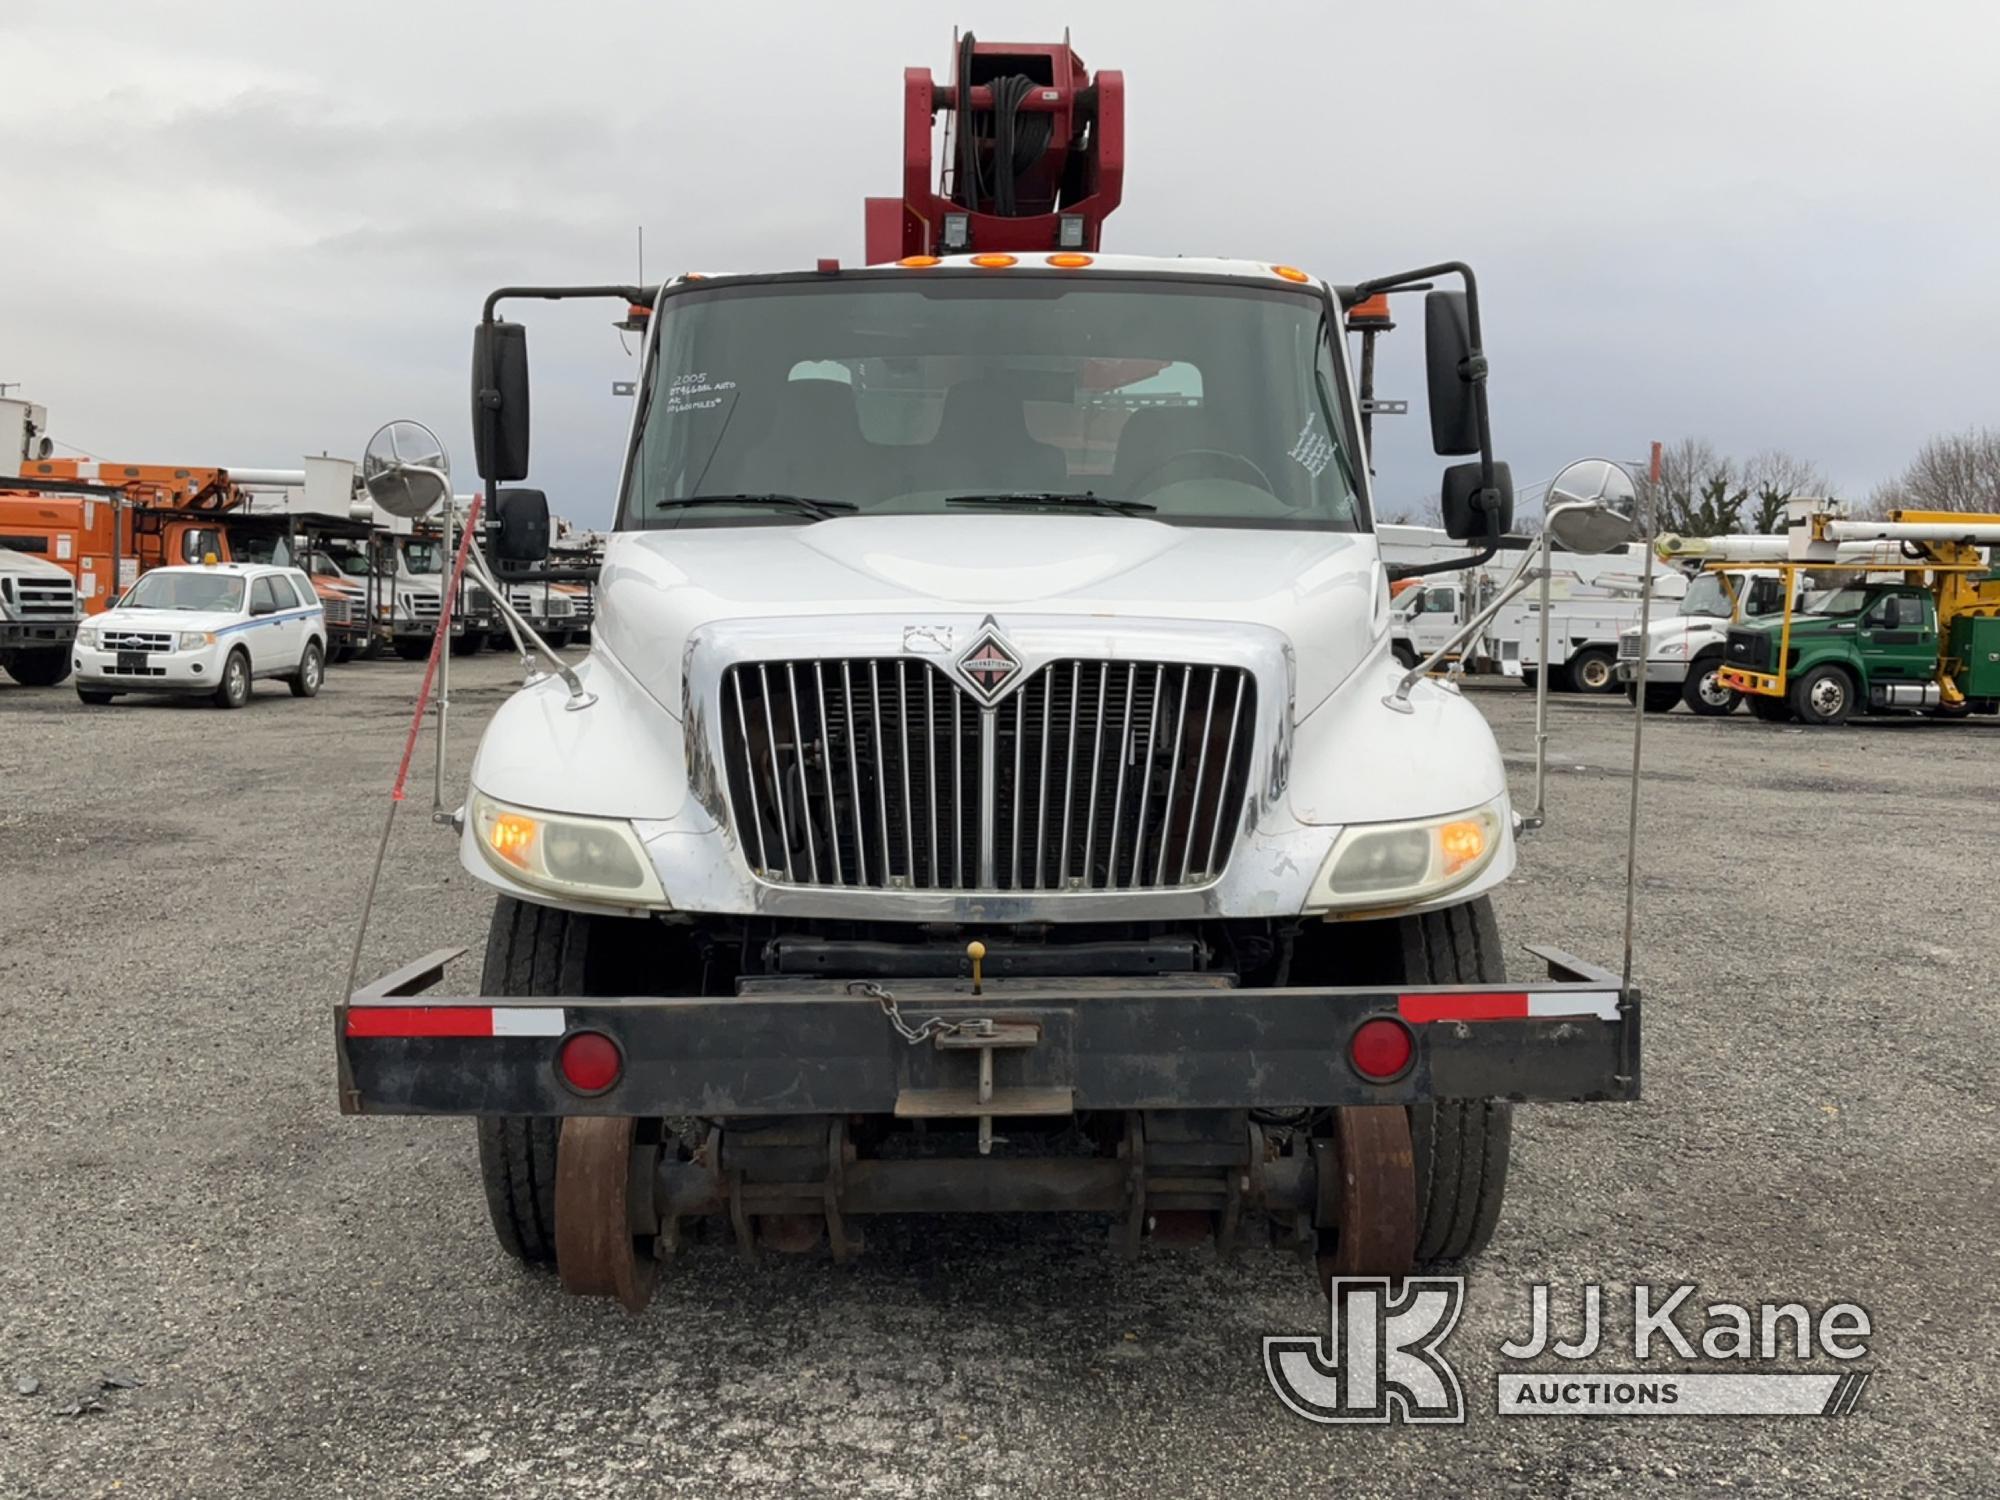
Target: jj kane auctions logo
1382 1358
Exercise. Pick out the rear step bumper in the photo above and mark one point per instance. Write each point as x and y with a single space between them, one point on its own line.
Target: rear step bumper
1023 1047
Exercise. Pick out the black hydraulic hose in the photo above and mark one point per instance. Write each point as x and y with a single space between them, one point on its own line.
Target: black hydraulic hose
1399 571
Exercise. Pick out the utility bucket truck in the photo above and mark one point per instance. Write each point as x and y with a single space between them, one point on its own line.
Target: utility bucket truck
1914 622
990 787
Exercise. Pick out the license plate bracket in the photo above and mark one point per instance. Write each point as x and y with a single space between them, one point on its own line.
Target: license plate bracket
132 661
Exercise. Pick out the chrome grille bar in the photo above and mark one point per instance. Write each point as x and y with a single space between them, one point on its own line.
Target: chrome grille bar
1179 736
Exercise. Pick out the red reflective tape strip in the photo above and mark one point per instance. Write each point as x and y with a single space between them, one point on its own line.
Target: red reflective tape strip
1463 1007
420 1020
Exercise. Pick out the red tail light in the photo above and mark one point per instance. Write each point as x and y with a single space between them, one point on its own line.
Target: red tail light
1381 1049
589 1061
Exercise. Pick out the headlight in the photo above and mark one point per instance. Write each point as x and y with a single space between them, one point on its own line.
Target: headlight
589 858
1396 864
194 640
86 636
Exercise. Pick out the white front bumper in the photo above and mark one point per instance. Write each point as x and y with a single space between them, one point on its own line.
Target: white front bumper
193 671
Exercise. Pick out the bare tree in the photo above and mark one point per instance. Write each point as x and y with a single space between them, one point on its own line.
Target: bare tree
1960 471
1700 492
1774 477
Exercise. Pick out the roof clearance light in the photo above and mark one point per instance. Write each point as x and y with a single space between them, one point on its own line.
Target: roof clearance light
1069 261
994 262
1290 273
918 262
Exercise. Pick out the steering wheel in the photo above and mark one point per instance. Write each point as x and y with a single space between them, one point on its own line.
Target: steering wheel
1218 461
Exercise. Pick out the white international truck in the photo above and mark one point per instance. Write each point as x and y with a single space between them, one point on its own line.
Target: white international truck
990 786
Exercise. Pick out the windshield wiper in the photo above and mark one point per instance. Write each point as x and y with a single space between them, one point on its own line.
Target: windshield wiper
805 505
1042 499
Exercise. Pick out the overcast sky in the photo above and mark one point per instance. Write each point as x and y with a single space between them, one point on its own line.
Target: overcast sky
240 232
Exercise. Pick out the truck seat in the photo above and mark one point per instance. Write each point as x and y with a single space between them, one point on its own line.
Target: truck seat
983 445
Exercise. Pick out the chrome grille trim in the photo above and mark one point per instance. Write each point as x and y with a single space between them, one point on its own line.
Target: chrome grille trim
1139 809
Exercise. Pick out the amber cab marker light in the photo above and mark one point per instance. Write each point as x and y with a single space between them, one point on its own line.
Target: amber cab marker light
918 262
1461 843
1290 273
511 837
994 262
1069 260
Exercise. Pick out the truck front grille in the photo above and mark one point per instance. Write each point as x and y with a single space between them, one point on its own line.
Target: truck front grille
1749 649
886 773
1628 647
44 599
338 611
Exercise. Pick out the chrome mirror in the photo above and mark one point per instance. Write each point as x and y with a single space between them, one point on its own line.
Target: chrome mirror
1592 507
405 470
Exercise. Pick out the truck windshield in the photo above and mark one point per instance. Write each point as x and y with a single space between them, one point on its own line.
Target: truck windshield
185 591
423 557
1708 595
1847 601
1189 402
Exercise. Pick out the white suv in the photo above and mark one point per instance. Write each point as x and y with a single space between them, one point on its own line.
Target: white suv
211 629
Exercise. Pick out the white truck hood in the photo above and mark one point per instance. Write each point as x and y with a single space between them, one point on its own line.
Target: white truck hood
1325 591
1672 635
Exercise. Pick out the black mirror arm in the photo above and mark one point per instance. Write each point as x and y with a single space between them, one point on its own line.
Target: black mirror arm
1399 571
1473 367
632 296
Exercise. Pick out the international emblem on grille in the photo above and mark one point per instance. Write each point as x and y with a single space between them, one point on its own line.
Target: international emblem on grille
990 666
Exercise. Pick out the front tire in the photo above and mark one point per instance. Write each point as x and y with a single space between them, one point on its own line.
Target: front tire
305 682
39 668
234 689
1768 710
1704 693
91 698
1462 1146
412 647
1593 671
537 950
1825 695
467 645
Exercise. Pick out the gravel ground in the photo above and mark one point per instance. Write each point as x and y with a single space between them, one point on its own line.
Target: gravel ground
314 1305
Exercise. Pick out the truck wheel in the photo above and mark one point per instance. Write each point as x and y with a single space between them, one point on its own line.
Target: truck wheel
305 682
1768 710
1406 658
1461 1146
466 645
92 698
412 647
1593 671
344 653
234 689
39 668
1703 692
1825 695
537 950
1532 675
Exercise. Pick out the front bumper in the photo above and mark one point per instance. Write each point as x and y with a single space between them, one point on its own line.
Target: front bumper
195 671
1671 673
817 1047
36 635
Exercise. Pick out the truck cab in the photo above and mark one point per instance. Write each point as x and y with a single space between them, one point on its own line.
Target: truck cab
991 786
1426 616
1861 647
421 565
39 613
1681 655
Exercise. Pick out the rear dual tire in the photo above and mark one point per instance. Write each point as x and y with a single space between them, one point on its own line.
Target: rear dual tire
38 668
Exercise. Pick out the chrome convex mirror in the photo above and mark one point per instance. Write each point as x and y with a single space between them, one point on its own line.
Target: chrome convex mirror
1592 507
405 470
